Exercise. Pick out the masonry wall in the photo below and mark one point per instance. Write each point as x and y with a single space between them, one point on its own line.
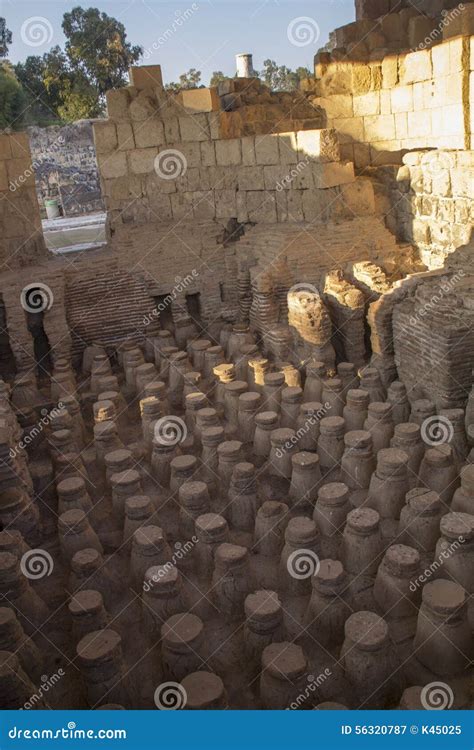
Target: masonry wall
156 170
65 162
398 102
21 238
433 202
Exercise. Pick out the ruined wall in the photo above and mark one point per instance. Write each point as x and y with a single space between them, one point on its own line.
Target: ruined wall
397 102
21 240
433 202
161 159
64 160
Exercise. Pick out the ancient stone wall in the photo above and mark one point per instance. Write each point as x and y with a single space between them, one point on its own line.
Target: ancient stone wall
434 205
65 164
388 103
21 240
160 160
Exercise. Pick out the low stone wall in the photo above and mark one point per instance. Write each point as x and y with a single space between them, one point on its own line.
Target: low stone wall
21 240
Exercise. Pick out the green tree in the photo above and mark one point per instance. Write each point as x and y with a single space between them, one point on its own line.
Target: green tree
12 98
189 80
281 78
217 78
42 101
5 38
97 49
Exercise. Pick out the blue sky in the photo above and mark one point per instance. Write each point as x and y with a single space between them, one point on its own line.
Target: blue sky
205 34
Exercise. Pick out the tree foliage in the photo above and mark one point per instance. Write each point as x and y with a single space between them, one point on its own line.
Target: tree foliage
5 38
12 98
97 50
189 80
70 84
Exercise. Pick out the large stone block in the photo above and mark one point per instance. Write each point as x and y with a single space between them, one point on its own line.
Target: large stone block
226 204
149 133
367 104
261 206
416 67
105 137
194 128
461 21
402 99
146 76
338 105
112 165
251 178
199 100
20 172
143 107
332 175
379 128
248 151
208 154
5 147
318 145
419 124
172 133
204 205
142 160
389 71
440 60
361 78
3 176
349 129
125 139
20 145
371 8
288 148
359 196
229 152
118 104
266 150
